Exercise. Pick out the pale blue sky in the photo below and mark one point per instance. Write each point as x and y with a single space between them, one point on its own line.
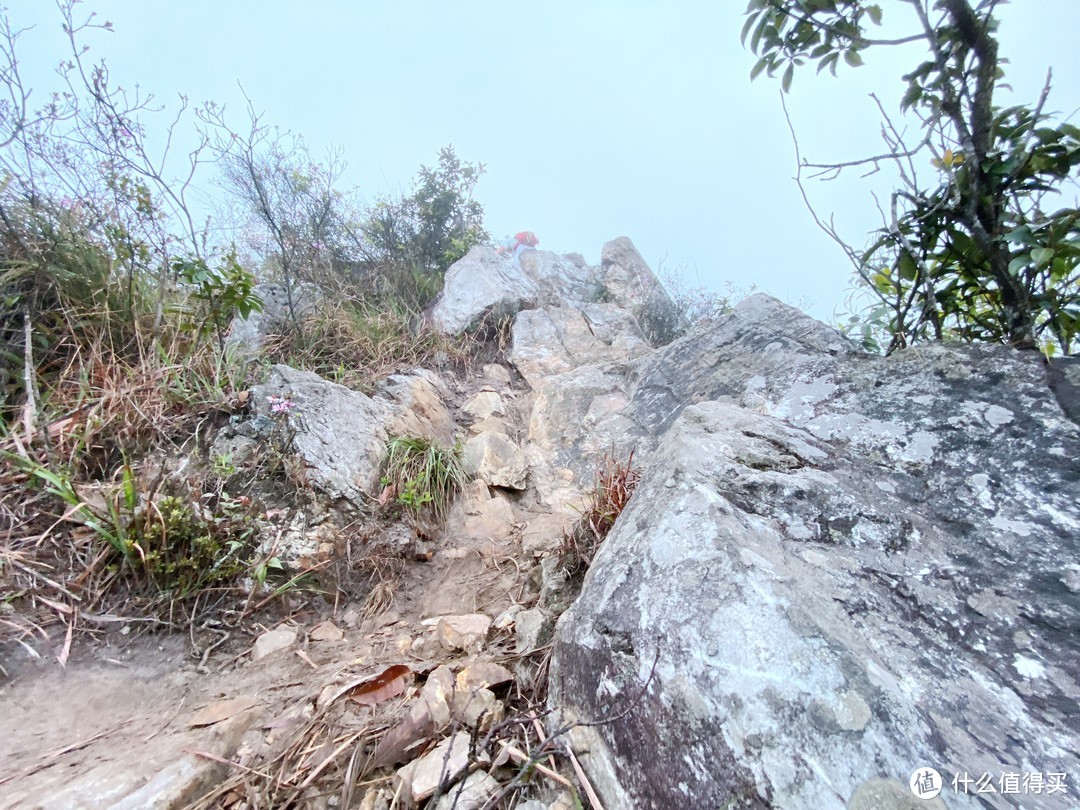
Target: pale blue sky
595 119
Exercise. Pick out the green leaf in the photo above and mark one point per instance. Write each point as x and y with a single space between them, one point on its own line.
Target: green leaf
829 62
746 28
907 268
785 83
1042 256
1021 236
760 66
913 94
1018 264
875 14
852 58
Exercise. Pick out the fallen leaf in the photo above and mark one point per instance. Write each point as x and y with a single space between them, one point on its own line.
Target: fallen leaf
389 684
222 710
388 492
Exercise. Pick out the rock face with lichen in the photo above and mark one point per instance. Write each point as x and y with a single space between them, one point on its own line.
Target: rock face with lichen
837 568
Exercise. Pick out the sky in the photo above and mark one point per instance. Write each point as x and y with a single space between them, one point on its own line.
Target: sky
593 119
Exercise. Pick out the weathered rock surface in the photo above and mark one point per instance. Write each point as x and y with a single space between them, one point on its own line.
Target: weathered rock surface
442 765
247 335
340 435
837 568
556 340
468 632
632 285
484 286
495 459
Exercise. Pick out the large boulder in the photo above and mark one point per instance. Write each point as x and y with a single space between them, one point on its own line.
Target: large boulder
630 283
838 569
340 435
484 287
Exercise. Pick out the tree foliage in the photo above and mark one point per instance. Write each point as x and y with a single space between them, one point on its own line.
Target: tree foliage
410 242
987 249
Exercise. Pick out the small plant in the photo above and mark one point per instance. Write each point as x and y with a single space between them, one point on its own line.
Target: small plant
615 484
177 544
185 547
223 292
223 466
419 475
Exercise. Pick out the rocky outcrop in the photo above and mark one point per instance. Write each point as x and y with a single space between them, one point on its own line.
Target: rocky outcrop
838 568
484 287
558 339
340 435
631 284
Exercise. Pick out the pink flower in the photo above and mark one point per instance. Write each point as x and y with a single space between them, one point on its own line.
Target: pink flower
280 404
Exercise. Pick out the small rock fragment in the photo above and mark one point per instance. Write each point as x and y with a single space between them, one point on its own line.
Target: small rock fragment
477 708
442 765
494 458
271 641
485 404
483 674
326 631
533 630
471 793
467 632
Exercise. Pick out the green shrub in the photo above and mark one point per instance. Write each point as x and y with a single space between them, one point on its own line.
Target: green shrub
421 476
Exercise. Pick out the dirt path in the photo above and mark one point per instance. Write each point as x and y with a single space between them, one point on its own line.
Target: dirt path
134 723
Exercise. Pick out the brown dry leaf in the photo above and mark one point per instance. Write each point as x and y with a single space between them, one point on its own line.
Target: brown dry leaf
221 710
387 494
326 631
389 684
242 399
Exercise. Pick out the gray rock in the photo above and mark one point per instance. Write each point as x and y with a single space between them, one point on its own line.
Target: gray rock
837 568
497 375
484 404
468 632
576 419
495 459
481 285
1064 377
421 397
340 435
533 630
889 794
246 335
421 778
471 793
280 638
484 287
633 286
556 340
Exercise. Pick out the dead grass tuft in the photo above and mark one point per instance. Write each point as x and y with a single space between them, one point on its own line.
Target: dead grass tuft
616 481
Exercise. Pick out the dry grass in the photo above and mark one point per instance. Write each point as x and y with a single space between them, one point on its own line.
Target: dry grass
99 403
615 483
357 344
